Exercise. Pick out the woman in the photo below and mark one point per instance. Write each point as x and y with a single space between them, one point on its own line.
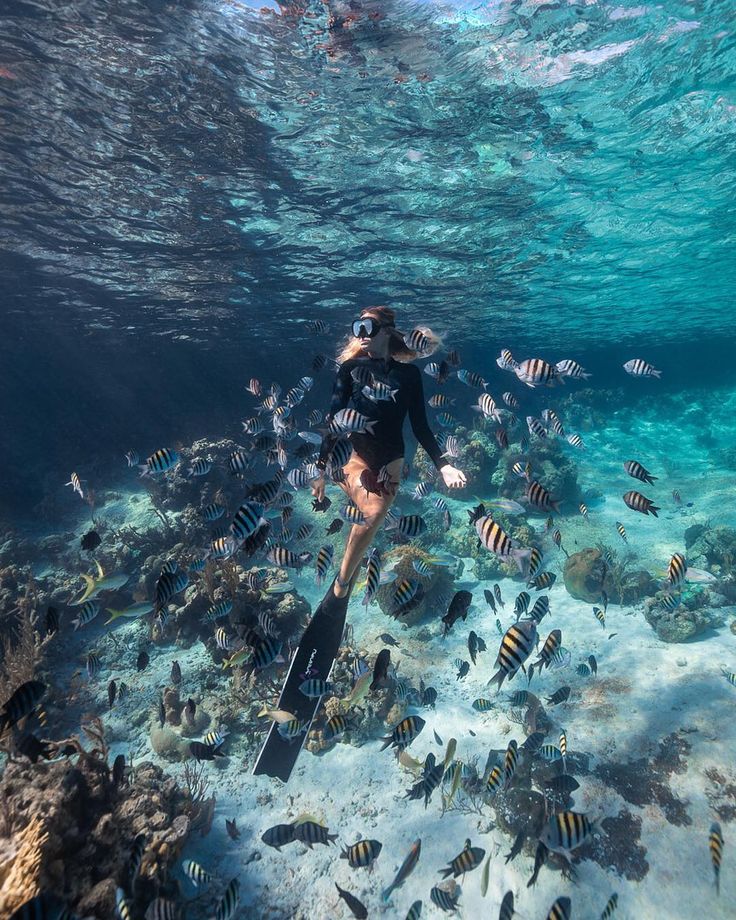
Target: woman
377 355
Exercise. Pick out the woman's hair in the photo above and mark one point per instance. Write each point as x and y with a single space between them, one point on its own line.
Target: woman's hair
397 346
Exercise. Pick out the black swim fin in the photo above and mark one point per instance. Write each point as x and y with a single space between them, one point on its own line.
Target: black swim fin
314 655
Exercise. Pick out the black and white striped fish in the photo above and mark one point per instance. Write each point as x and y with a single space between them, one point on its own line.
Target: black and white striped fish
516 646
570 368
638 502
227 907
408 525
200 466
323 562
539 497
350 420
536 427
535 372
637 471
638 367
495 539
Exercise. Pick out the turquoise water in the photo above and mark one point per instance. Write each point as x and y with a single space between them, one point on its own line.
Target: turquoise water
185 188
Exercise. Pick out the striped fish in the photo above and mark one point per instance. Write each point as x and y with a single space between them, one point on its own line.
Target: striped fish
494 781
570 368
550 417
495 539
408 525
551 645
715 844
200 466
21 703
195 873
566 831
509 763
610 908
560 910
540 609
468 859
225 910
417 340
506 360
638 367
542 581
440 401
313 688
353 515
309 832
535 372
677 570
404 733
323 562
621 531
535 427
550 752
123 908
254 387
221 548
253 426
637 471
638 502
265 652
350 420
373 576
444 899
511 401
361 854
278 836
217 611
162 909
161 461
404 592
563 745
471 379
87 613
446 419
516 646
238 462
336 726
213 511
248 518
487 406
539 497
576 441
535 561
507 907
284 558
521 604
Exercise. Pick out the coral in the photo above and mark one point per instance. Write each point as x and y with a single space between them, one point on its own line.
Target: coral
172 706
168 744
70 807
587 574
435 590
21 652
692 617
712 548
20 865
200 807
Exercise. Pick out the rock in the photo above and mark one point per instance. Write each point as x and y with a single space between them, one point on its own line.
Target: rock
587 574
100 901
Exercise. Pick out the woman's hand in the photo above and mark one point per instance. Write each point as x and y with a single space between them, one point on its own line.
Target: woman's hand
454 478
318 487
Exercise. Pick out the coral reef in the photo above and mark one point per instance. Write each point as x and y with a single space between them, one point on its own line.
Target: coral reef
76 808
434 589
696 613
712 548
595 569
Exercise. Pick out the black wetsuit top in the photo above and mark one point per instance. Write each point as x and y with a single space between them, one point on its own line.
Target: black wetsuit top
386 443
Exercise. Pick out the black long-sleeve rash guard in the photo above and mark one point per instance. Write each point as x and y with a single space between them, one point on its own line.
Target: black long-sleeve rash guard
386 443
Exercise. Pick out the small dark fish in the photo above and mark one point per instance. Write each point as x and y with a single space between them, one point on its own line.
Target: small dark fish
473 645
112 692
380 669
32 747
477 513
604 601
335 526
387 639
458 609
278 836
612 635
322 506
516 847
437 739
540 858
462 669
429 696
161 712
52 621
497 593
593 664
201 751
90 541
562 785
141 662
490 600
232 830
118 770
357 909
191 707
175 673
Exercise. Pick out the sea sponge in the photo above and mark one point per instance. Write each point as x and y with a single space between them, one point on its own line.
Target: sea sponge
168 744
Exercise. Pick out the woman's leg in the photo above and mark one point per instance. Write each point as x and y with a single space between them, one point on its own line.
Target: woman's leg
374 508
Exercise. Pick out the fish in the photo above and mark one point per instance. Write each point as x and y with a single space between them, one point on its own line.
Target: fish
507 907
506 505
715 844
131 613
32 747
637 471
229 902
463 668
638 502
200 466
405 591
310 832
576 441
352 514
495 539
445 900
362 854
160 461
537 496
610 908
168 585
487 407
521 604
278 836
405 870
92 665
458 609
380 669
76 483
551 645
471 379
638 367
141 662
90 541
560 910
536 427
286 559
540 858
542 581
699 576
566 831
408 525
323 562
570 368
335 526
350 420
200 751
490 600
535 372
516 646
314 688
337 726
676 570
195 873
404 733
231 828
559 696
357 908
621 531
96 585
468 859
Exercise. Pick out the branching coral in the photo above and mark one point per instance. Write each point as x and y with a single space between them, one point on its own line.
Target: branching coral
20 864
